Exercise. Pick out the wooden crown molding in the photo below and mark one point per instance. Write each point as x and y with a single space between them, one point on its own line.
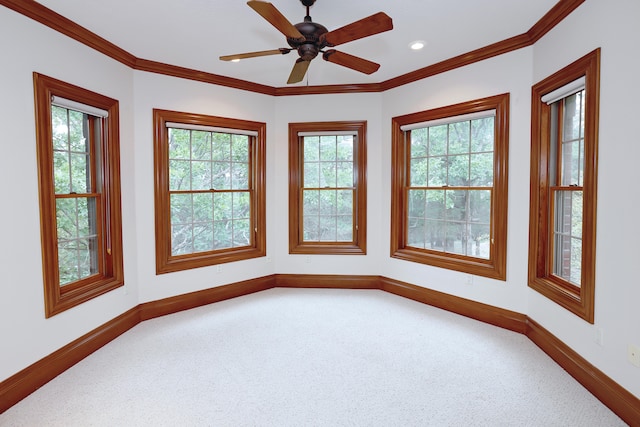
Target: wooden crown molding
618 399
57 22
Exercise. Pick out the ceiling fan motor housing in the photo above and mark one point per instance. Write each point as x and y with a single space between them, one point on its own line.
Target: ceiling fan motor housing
309 48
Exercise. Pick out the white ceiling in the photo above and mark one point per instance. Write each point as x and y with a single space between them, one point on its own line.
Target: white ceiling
194 33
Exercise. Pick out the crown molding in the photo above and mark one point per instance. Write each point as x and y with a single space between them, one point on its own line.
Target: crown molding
57 22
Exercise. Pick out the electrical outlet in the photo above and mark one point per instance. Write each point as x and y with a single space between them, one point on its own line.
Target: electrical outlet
268 260
633 354
219 269
469 279
307 259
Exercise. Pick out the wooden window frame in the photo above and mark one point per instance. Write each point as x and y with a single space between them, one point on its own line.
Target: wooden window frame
110 263
359 244
495 266
577 299
165 261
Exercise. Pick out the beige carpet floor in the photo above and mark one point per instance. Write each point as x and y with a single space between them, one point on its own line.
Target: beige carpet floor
314 357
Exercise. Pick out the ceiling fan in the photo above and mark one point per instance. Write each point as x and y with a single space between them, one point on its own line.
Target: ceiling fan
309 38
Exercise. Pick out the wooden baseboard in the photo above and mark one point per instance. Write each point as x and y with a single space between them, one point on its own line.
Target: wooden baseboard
486 313
334 281
149 310
25 382
610 393
619 400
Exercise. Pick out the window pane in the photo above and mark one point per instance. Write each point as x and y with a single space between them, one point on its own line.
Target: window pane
77 129
345 174
221 175
223 234
417 203
568 235
328 174
482 135
573 117
179 144
419 171
435 235
458 170
179 175
181 209
328 202
311 174
437 172
311 202
328 148
241 232
311 224
416 233
240 176
181 239
203 237
80 173
203 207
242 205
221 147
345 202
480 238
311 148
481 170
223 203
456 238
328 229
435 204
480 206
240 148
68 262
344 228
200 145
438 140
62 178
345 148
201 175
459 137
60 128
419 139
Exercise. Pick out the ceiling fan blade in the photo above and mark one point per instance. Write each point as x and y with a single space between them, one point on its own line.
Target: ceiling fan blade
280 51
350 61
299 70
374 24
275 18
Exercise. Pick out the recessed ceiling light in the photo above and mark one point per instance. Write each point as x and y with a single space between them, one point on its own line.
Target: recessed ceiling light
417 45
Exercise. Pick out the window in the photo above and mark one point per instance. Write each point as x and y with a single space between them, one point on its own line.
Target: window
80 219
564 141
327 188
209 190
449 187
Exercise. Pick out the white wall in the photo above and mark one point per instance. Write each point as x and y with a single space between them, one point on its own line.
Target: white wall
510 73
32 47
168 93
27 46
319 108
613 26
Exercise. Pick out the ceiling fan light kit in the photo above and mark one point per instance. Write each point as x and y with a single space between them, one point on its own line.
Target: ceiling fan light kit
309 39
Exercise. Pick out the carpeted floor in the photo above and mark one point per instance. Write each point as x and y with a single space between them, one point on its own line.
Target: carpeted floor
314 357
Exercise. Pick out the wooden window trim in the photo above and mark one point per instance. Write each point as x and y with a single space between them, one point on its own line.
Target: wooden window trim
111 273
359 245
578 300
165 261
495 266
